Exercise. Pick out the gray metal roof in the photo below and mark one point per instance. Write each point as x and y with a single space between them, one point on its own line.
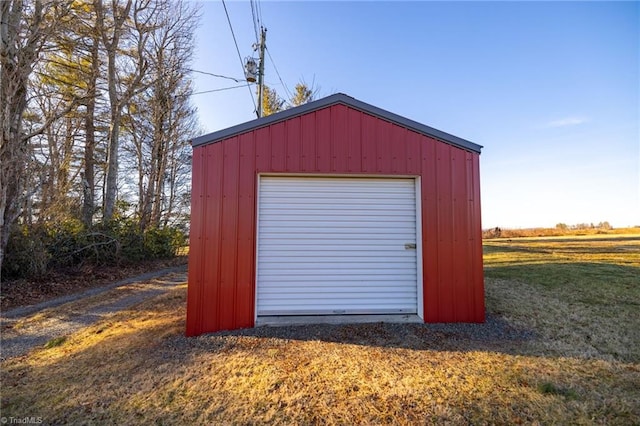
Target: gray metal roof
339 98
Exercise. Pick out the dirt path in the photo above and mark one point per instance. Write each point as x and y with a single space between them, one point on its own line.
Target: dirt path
25 328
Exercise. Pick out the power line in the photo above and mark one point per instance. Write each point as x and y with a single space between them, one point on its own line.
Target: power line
217 90
216 75
238 50
280 78
255 19
259 8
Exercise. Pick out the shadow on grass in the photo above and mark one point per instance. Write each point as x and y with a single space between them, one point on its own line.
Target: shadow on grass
572 250
581 277
489 249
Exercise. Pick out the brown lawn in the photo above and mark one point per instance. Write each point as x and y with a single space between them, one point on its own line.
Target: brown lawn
560 346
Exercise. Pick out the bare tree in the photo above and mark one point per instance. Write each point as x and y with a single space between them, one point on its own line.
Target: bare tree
158 115
121 88
91 46
80 81
24 29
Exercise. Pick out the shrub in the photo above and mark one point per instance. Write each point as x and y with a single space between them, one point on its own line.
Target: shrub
163 242
37 249
26 254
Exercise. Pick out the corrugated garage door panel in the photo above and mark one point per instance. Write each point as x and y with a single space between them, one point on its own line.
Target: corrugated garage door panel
336 245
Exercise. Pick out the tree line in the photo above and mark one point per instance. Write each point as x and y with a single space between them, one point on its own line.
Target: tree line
561 229
96 121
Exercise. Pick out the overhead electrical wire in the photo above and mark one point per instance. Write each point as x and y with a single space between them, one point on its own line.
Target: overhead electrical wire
238 50
278 74
217 90
259 9
237 80
256 21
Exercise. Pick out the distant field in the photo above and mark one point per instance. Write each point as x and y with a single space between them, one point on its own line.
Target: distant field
560 346
556 232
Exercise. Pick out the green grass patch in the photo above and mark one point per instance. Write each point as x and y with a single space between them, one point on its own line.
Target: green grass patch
602 271
54 343
552 389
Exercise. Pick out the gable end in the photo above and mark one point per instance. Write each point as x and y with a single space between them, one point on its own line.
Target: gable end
343 99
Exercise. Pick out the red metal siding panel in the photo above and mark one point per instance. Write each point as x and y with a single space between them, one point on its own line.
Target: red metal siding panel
293 145
383 147
196 244
308 143
398 139
354 141
212 238
414 160
368 143
468 199
278 148
476 241
263 149
446 257
245 259
323 140
430 235
341 140
460 234
228 278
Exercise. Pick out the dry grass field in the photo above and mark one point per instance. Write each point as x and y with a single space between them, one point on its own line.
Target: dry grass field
561 346
581 294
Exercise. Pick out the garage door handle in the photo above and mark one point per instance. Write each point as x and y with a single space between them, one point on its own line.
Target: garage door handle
409 246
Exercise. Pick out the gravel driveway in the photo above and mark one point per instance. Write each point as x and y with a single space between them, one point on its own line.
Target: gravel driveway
25 328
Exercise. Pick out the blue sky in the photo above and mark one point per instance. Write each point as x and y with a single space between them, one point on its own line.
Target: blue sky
550 89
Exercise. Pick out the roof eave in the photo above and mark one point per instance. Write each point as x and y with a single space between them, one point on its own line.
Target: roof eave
339 98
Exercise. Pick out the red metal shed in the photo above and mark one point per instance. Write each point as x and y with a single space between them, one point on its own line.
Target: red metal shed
335 207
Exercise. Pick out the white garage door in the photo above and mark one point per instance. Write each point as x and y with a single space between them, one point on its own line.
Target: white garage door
336 246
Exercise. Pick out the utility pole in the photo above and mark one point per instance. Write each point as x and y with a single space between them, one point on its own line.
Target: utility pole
263 45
